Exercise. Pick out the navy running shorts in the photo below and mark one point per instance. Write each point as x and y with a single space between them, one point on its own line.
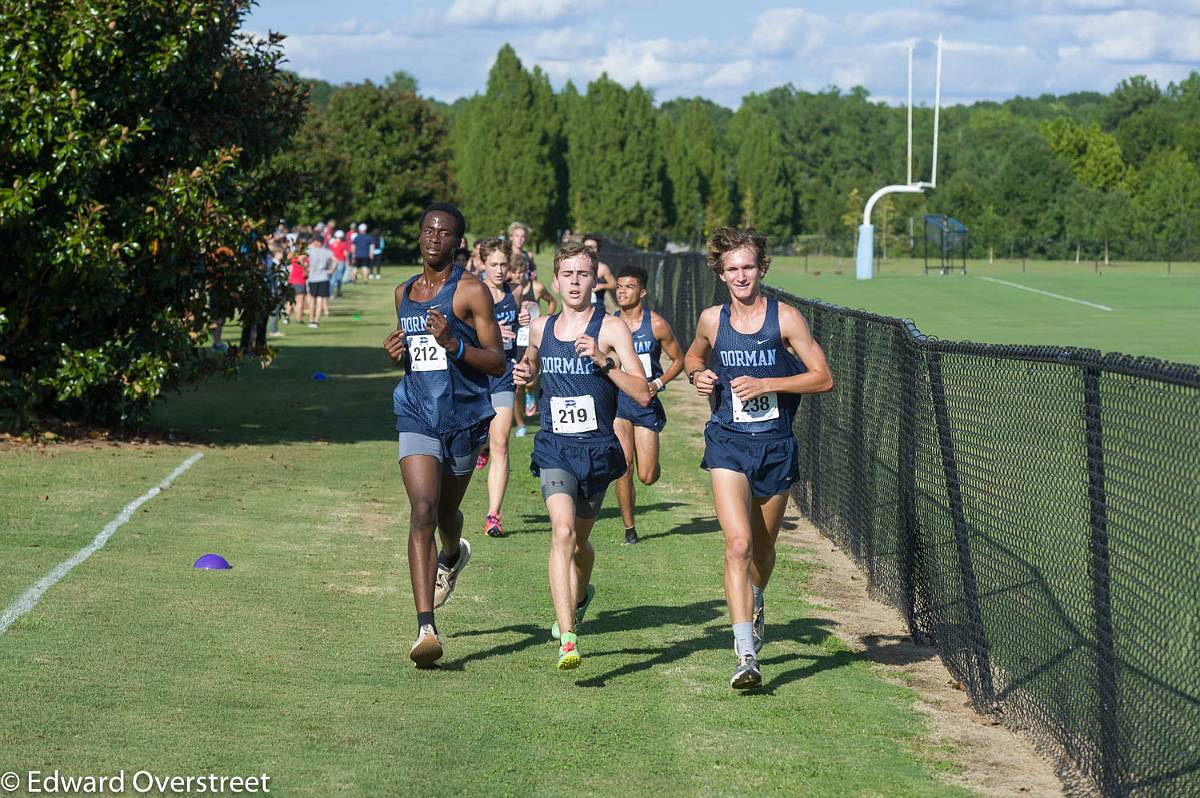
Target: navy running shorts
653 417
594 462
771 464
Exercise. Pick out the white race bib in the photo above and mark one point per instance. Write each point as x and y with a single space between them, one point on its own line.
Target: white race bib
523 336
573 413
426 354
595 298
760 408
645 358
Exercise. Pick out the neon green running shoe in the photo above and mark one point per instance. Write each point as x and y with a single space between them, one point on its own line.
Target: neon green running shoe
568 653
579 612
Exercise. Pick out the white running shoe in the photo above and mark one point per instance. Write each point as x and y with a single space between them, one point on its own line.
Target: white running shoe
447 578
428 648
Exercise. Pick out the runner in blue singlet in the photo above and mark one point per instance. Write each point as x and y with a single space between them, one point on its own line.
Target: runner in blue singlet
584 358
447 338
763 357
637 428
494 254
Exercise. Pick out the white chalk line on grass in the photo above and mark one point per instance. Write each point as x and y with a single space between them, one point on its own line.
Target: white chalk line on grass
1047 293
31 596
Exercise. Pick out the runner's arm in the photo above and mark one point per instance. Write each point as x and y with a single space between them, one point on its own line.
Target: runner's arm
795 333
488 357
525 371
695 363
628 375
670 344
541 292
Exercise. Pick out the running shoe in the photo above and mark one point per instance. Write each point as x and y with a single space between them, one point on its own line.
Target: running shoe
630 537
428 648
447 578
482 460
568 653
492 526
746 676
313 325
521 431
580 611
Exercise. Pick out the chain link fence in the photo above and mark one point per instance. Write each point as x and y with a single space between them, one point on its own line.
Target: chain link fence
1034 512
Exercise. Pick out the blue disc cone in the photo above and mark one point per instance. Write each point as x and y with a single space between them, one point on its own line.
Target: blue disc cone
212 562
320 376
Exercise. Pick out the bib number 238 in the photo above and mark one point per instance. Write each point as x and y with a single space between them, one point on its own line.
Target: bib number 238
426 354
760 408
573 413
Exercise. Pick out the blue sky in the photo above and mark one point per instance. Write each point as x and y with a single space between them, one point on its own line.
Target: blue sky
995 49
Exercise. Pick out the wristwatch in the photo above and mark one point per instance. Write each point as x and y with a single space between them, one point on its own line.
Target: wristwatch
609 365
692 377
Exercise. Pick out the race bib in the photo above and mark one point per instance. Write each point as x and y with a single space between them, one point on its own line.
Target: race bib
510 343
595 298
523 336
760 408
645 358
426 354
572 414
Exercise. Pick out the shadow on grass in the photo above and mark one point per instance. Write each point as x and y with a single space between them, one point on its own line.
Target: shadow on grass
804 631
699 525
608 513
531 636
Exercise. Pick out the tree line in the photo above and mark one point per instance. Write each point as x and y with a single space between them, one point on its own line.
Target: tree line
1052 175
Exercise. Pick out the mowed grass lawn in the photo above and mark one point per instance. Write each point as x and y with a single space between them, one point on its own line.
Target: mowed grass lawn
295 662
1152 313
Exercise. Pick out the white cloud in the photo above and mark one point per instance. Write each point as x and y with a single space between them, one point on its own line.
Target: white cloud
517 12
734 75
788 31
561 42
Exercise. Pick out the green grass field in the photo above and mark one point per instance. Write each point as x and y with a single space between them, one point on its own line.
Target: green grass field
294 663
1152 313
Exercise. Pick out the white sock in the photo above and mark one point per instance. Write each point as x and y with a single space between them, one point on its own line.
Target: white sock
743 635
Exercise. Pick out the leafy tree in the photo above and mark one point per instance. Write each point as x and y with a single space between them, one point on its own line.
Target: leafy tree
616 168
510 144
135 182
1166 199
699 190
768 198
398 158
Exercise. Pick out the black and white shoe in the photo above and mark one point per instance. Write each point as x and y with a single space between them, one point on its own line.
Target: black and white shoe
630 537
746 676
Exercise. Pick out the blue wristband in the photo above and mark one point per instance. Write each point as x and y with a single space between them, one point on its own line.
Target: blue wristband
462 347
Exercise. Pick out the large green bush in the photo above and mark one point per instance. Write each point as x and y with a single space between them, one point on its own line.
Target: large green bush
136 142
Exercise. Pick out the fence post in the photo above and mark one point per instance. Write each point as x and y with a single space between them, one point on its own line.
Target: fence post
962 538
1106 656
906 474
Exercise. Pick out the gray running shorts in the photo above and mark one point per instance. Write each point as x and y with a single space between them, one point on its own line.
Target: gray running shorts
504 400
557 480
411 443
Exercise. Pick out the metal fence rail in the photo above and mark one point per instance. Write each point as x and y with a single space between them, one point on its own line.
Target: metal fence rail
1034 512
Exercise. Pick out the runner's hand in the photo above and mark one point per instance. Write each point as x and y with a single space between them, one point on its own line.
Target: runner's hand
438 327
653 386
525 316
746 388
395 345
507 333
585 346
522 374
705 381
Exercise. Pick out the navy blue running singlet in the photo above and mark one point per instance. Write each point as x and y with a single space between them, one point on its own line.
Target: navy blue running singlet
760 354
438 393
577 401
647 346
